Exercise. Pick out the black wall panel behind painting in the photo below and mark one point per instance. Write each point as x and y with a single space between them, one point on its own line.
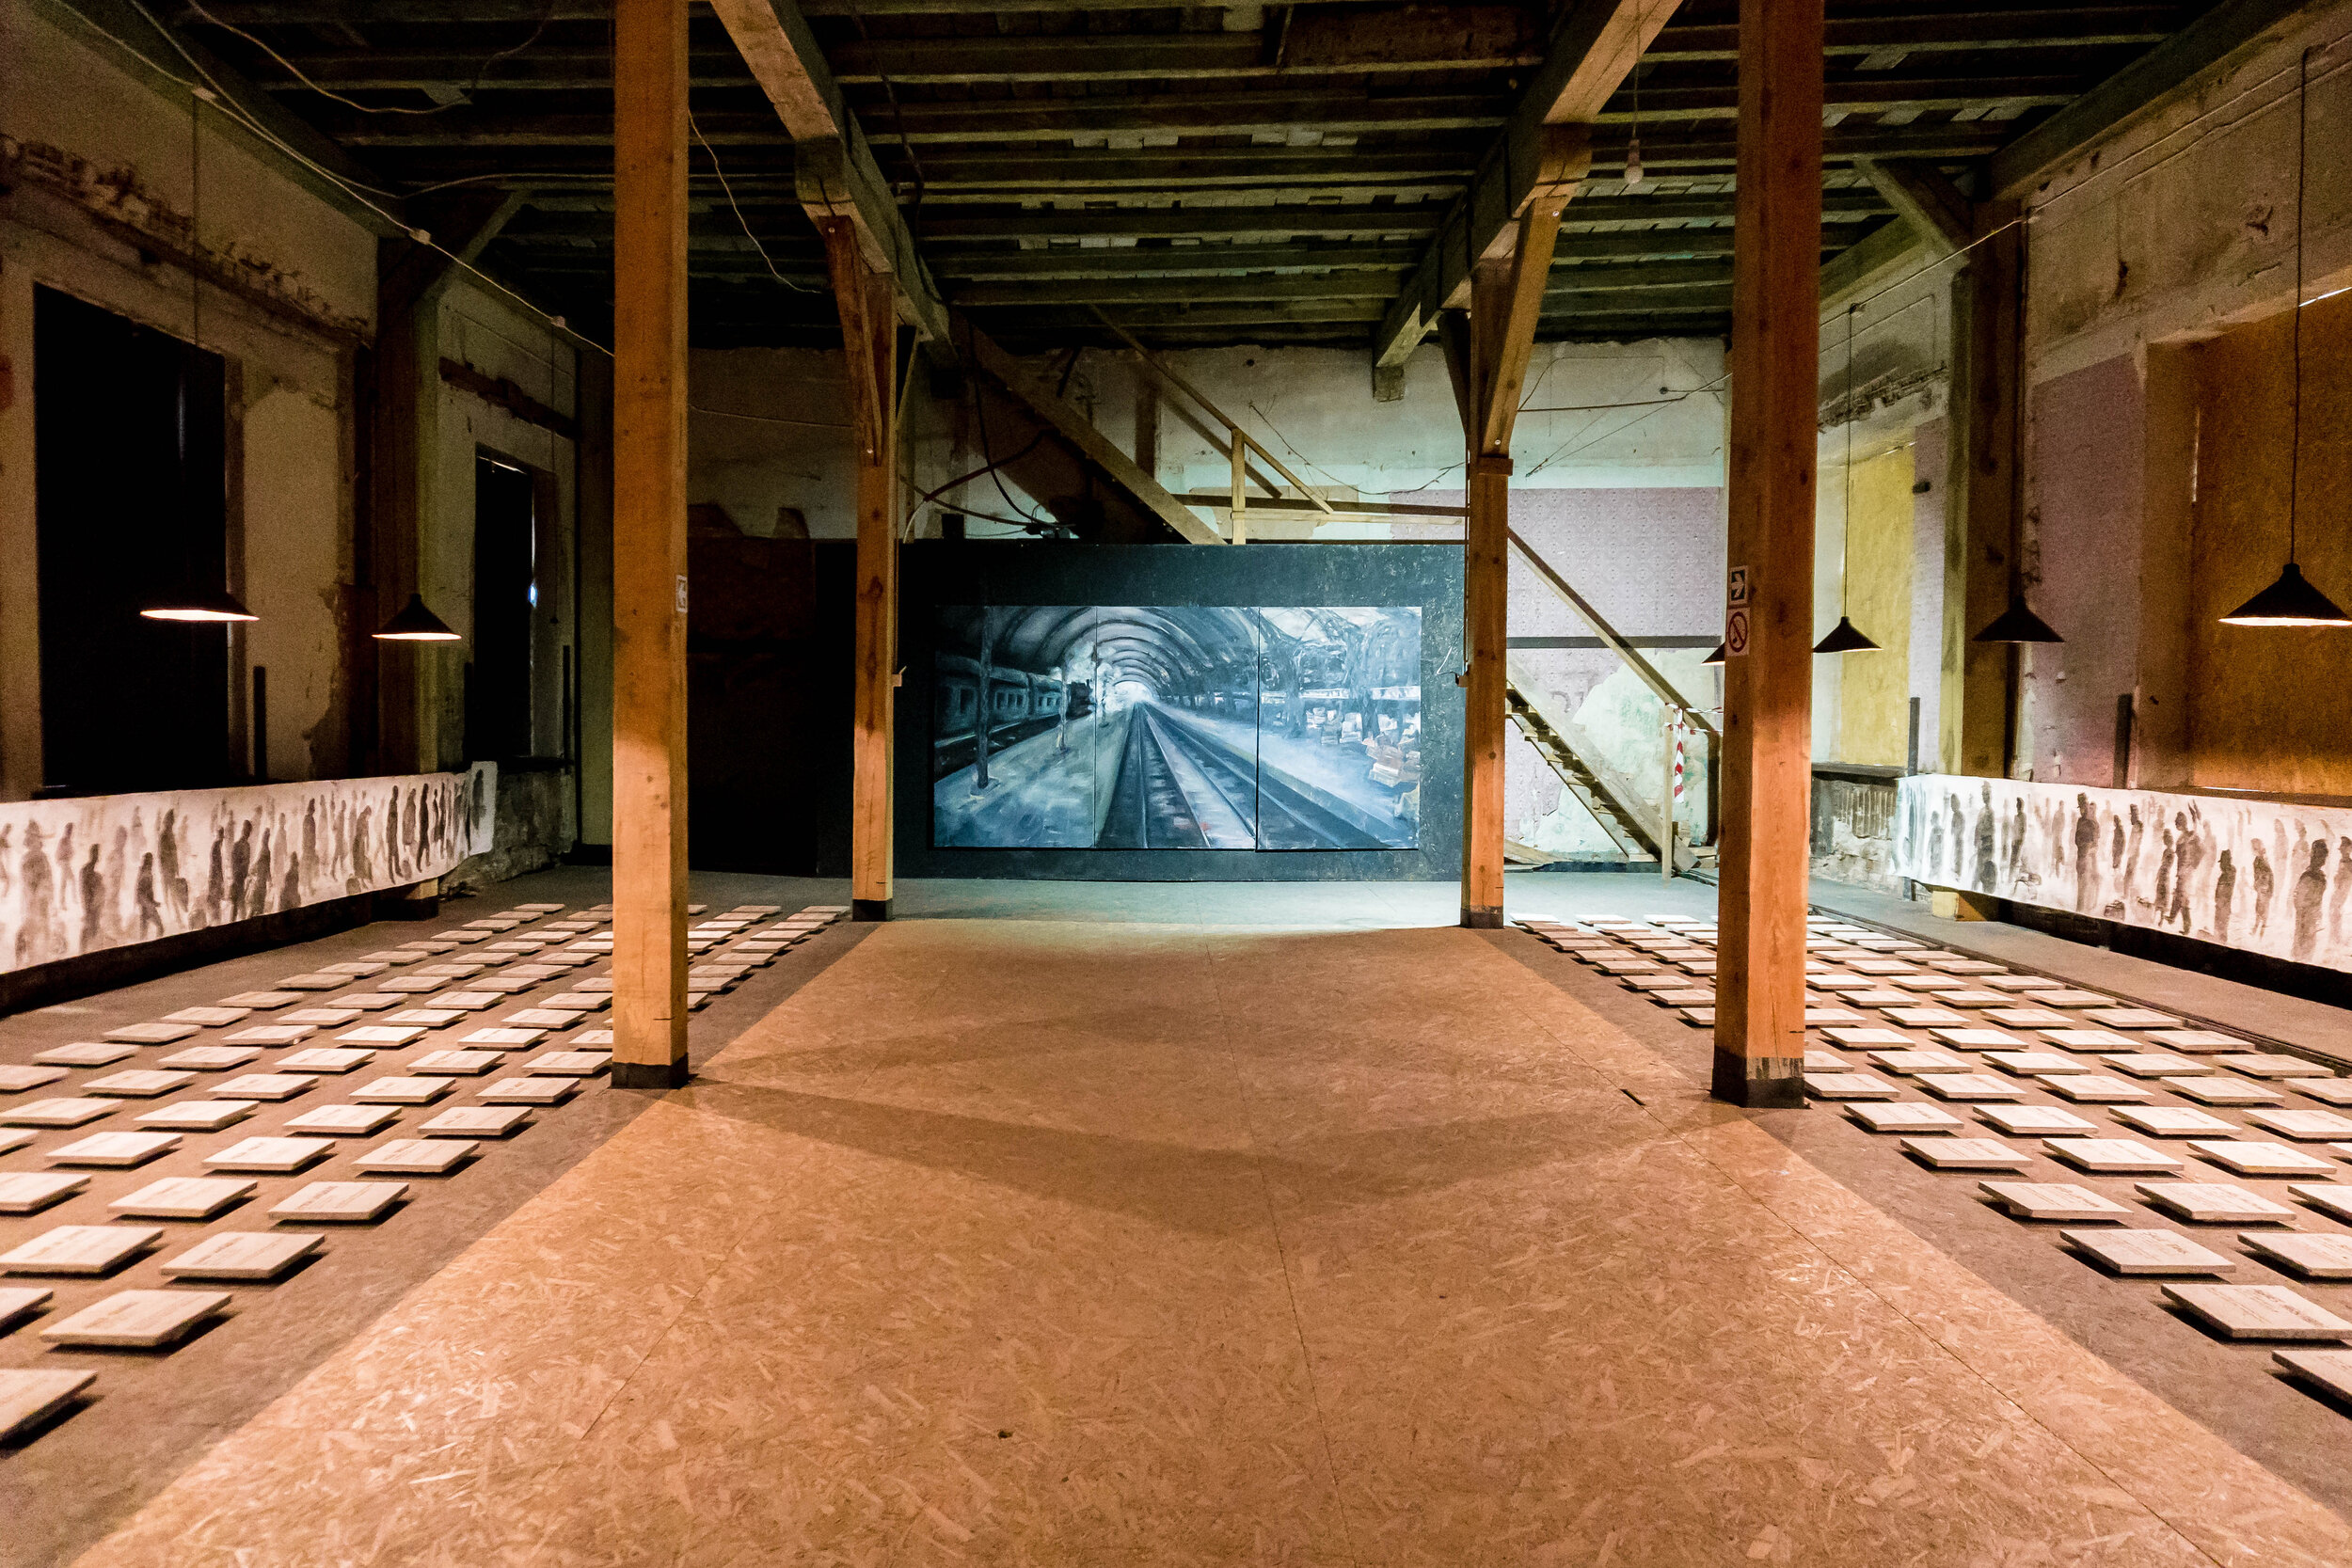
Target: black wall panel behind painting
937 572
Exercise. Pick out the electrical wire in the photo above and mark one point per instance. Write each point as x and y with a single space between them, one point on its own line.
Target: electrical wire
298 74
237 112
765 258
763 418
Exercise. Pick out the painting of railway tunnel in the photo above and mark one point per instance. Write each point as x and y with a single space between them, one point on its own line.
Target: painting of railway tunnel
1177 727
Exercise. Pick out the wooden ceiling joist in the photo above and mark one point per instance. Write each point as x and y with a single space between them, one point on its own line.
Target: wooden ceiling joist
1105 149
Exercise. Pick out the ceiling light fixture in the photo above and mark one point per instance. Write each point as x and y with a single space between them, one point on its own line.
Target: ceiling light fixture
190 601
417 624
1845 638
2018 623
2293 601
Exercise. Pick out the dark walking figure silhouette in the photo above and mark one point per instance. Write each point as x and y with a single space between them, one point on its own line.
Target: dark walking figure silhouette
2224 885
2190 850
2262 888
1986 868
2086 855
239 867
151 911
2309 888
93 904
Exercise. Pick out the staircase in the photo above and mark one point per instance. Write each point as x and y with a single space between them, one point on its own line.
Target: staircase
1635 835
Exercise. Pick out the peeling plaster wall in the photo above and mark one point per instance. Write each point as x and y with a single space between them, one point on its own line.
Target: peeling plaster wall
769 429
2161 288
2084 471
2270 709
491 334
101 197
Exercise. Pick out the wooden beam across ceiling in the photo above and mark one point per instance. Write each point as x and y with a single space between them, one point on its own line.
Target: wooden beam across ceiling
832 166
2227 31
1592 49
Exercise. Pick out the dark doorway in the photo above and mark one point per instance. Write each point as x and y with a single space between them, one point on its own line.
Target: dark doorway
131 487
769 644
505 603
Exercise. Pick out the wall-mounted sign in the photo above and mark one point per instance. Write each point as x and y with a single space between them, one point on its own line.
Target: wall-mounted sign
1736 614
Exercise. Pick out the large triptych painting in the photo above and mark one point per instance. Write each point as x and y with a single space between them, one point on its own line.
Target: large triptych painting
1177 727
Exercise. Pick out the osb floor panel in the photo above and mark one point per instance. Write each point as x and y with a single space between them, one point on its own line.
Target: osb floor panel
1014 1241
151 1416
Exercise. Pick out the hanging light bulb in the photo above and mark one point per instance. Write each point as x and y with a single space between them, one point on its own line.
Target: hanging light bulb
1633 160
2293 601
1844 638
416 623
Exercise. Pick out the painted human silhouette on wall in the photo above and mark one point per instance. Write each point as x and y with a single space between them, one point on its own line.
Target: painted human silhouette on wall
2207 868
79 875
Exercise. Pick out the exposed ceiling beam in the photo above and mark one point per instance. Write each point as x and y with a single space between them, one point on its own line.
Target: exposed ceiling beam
1882 247
1666 104
834 169
1204 261
1937 212
1596 44
124 33
1172 169
1074 428
1334 218
2228 29
1340 217
2074 27
1372 286
1059 119
1240 314
1407 40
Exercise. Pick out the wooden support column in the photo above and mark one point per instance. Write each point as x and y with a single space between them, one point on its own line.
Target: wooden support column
1980 498
1776 352
869 339
650 544
1490 364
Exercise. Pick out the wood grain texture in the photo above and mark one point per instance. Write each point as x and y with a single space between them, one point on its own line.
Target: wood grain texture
649 537
869 343
1767 775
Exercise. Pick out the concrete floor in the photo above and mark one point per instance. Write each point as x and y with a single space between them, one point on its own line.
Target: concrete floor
1165 1223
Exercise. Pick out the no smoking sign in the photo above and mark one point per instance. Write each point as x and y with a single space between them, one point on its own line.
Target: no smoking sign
1736 614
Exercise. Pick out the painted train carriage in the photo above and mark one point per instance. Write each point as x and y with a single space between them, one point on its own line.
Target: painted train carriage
1020 705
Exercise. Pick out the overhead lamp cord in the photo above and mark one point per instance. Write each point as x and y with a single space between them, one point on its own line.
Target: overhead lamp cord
2295 441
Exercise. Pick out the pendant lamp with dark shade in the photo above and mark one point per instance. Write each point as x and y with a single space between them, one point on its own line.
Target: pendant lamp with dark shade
2018 624
197 604
2293 600
1845 638
190 600
417 624
1715 657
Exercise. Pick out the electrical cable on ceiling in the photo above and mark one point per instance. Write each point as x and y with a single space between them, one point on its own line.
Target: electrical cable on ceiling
237 112
546 17
769 260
